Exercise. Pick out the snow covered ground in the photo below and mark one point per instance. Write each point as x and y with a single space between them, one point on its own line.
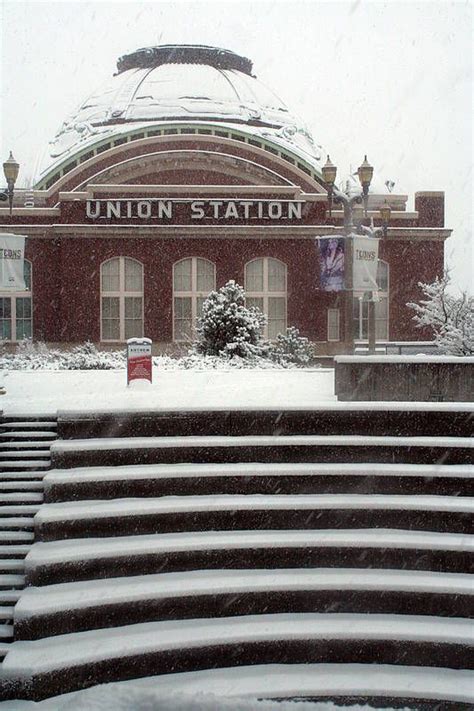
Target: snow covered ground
48 391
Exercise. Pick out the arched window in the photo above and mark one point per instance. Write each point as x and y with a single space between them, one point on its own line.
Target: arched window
16 310
361 308
193 279
121 281
265 287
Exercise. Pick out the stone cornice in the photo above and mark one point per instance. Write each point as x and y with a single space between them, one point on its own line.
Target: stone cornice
85 231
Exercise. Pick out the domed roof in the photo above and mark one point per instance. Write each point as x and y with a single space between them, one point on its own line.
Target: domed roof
179 83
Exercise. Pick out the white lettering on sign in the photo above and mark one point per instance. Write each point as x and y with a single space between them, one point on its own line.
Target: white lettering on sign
188 209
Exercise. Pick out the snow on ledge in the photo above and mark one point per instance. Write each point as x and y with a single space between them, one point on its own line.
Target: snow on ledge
418 359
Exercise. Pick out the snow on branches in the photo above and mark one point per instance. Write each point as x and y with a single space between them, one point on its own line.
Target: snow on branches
450 317
227 327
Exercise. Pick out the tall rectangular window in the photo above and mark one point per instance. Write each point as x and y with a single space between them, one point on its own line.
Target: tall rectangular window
16 311
265 288
121 299
334 325
193 279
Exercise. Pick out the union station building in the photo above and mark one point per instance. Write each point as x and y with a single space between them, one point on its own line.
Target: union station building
181 173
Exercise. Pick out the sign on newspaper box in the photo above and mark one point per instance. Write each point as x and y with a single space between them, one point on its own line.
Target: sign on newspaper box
139 365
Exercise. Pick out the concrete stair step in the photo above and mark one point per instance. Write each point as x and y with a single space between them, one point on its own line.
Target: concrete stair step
6 632
25 446
18 551
28 454
378 685
9 581
18 485
297 448
19 476
350 418
24 436
18 509
59 665
4 648
148 480
24 424
11 565
17 497
9 596
92 558
24 465
6 613
16 522
167 514
73 607
13 537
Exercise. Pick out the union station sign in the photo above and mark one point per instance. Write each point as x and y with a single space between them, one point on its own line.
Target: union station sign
190 210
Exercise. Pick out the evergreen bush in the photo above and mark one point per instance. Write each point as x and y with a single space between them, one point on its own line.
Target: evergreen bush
291 348
228 328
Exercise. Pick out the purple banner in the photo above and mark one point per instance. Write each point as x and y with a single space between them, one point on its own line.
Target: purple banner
331 258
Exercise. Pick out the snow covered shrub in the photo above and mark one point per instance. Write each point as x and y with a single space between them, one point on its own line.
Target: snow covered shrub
87 357
28 356
37 356
291 348
451 318
227 327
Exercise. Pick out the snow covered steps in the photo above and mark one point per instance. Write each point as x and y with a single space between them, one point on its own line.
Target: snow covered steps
116 556
419 687
203 539
74 607
405 419
166 514
24 456
67 662
258 448
145 480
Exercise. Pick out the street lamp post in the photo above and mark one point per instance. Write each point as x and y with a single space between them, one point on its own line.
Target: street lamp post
348 202
10 170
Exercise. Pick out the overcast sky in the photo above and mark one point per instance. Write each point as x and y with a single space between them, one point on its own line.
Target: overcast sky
390 79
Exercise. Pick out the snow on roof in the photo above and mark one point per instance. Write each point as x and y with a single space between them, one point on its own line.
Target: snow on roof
191 90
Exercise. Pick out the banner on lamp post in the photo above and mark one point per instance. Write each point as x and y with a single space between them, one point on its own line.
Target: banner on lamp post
365 260
12 261
331 260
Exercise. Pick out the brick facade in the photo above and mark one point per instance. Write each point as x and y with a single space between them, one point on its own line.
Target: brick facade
67 248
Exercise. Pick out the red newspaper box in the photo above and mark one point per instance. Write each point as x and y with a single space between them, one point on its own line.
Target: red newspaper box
139 365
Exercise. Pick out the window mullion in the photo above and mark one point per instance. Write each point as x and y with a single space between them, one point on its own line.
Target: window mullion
122 297
193 293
